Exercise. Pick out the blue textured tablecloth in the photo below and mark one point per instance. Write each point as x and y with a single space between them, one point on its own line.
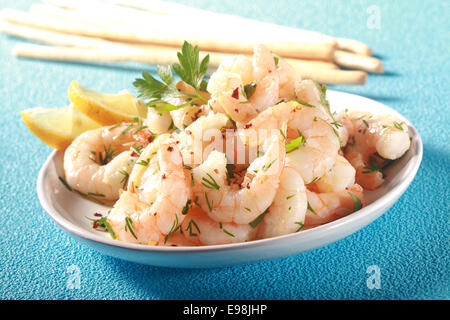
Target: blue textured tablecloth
409 244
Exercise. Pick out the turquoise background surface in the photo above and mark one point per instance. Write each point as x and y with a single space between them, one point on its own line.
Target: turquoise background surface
410 243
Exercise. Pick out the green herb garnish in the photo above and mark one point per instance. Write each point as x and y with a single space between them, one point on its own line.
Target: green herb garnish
313 180
373 167
125 178
266 167
143 162
311 209
186 207
207 202
102 224
295 143
190 70
258 219
129 226
356 202
105 158
189 228
210 184
398 125
175 227
249 89
225 231
276 60
305 104
301 226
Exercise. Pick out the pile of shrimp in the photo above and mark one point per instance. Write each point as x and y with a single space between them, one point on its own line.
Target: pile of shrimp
264 157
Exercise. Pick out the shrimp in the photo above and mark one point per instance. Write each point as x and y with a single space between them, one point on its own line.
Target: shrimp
289 79
338 178
287 213
200 229
157 122
318 154
329 206
241 204
183 117
240 65
266 78
227 92
151 209
308 91
98 161
201 137
374 141
228 85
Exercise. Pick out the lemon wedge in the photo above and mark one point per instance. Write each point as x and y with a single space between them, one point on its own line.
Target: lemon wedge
105 108
57 127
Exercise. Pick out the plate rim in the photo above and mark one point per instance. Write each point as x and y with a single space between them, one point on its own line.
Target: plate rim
340 223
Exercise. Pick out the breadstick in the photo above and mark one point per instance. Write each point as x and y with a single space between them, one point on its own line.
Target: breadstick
357 61
165 56
334 76
180 11
50 37
66 40
172 37
354 46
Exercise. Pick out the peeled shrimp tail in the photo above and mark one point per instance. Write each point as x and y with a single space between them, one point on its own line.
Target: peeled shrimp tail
326 207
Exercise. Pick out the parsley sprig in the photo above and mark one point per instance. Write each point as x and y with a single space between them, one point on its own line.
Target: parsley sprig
190 69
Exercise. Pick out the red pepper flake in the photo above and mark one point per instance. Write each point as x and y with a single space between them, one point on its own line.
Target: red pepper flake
248 185
95 225
97 214
163 176
248 125
237 110
216 171
236 93
134 154
188 132
270 71
170 149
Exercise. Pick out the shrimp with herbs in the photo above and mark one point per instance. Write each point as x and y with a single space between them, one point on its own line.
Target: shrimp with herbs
199 229
317 141
240 202
287 212
374 142
324 207
99 161
151 210
242 88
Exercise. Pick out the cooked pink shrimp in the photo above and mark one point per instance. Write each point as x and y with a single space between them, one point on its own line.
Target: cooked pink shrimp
372 143
287 212
183 117
227 94
201 137
239 203
151 209
289 79
97 162
328 206
338 178
228 91
318 153
200 229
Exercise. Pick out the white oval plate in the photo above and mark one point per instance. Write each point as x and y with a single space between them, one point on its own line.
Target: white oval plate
70 211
